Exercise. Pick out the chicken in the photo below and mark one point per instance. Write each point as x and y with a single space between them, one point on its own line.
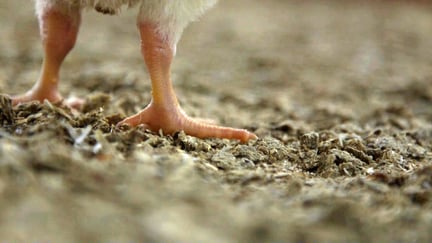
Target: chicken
160 24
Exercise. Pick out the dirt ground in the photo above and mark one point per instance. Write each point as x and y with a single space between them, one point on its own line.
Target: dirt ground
339 93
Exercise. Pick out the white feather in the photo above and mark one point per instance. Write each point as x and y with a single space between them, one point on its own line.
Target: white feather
172 16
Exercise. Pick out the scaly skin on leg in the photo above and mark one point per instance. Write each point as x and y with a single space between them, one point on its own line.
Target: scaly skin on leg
58 31
164 111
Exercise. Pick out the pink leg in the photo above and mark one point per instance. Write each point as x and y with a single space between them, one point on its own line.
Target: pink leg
58 32
164 112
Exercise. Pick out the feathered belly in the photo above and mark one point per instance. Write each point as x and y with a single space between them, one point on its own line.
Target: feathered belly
105 6
113 6
179 11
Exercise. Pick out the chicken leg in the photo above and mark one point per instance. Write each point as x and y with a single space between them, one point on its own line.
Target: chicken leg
164 111
58 31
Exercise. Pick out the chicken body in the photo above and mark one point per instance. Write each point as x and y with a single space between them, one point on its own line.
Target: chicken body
172 16
160 24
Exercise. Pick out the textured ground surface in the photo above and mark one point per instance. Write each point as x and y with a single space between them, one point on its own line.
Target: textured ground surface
340 95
